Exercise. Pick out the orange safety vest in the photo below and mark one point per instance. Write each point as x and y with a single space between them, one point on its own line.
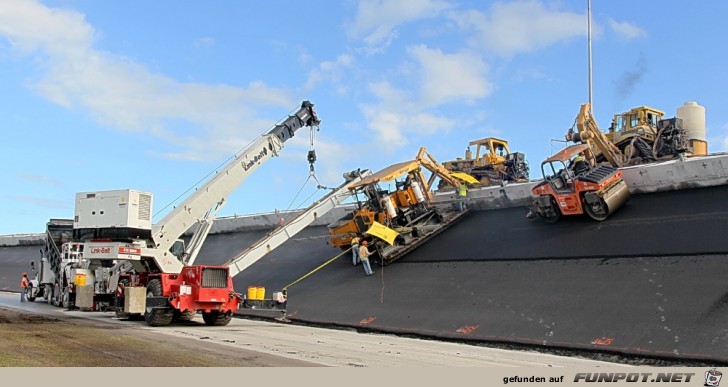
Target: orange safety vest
24 282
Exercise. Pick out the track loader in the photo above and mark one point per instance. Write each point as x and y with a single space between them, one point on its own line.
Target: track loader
493 163
638 136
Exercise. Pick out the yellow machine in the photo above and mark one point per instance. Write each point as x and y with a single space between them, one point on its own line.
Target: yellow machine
638 122
637 136
493 163
405 206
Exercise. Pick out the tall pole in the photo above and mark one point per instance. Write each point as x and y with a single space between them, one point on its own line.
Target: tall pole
590 53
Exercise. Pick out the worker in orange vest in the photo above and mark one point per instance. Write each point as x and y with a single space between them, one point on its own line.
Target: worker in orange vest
24 286
364 254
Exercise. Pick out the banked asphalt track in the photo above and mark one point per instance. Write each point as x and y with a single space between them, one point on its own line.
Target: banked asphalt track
651 281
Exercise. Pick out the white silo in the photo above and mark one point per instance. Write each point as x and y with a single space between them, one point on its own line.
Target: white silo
693 117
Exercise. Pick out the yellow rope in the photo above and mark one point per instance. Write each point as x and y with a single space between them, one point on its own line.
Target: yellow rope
285 288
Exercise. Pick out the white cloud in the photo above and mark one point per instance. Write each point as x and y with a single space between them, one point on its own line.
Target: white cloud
520 26
450 77
39 179
376 20
125 95
627 30
396 119
332 71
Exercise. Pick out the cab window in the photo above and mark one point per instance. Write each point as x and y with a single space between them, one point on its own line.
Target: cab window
633 120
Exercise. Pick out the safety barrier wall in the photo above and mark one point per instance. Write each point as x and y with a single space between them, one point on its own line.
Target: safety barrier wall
678 174
693 172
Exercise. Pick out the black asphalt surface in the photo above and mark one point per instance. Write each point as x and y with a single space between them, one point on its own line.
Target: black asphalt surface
650 281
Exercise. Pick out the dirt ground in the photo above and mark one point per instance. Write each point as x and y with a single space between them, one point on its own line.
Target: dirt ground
30 340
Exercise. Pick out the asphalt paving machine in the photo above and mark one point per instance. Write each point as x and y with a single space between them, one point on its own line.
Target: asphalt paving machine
575 183
405 205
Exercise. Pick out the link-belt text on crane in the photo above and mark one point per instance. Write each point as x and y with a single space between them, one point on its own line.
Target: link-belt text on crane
255 159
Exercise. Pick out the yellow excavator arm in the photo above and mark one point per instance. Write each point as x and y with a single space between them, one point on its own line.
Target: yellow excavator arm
428 161
588 132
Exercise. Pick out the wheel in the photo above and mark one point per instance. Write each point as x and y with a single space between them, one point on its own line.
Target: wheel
184 316
55 297
48 293
66 302
597 210
29 293
551 214
216 318
157 317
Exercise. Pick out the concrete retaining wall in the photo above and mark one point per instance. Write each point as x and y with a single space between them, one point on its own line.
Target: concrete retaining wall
22 239
267 221
692 172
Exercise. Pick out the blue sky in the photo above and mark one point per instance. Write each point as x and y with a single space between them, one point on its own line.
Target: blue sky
154 95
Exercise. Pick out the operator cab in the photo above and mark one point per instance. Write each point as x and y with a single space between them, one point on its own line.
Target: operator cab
561 169
557 174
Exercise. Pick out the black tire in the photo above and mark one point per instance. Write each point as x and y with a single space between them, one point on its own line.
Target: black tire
55 296
556 215
157 317
48 293
28 292
597 211
216 318
66 301
184 316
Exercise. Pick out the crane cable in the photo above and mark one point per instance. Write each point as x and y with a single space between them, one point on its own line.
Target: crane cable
321 266
311 157
285 288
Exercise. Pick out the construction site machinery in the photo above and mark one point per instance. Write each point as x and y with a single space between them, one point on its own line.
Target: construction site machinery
116 259
494 164
405 206
284 232
638 136
574 183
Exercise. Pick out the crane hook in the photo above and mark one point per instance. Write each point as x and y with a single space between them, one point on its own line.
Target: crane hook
311 159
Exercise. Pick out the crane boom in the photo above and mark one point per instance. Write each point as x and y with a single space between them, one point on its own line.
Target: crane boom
278 236
207 200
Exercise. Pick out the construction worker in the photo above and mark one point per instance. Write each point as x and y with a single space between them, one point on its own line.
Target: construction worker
462 195
579 164
364 254
355 250
24 286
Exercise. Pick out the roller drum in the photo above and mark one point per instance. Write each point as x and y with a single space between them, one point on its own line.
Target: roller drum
616 196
